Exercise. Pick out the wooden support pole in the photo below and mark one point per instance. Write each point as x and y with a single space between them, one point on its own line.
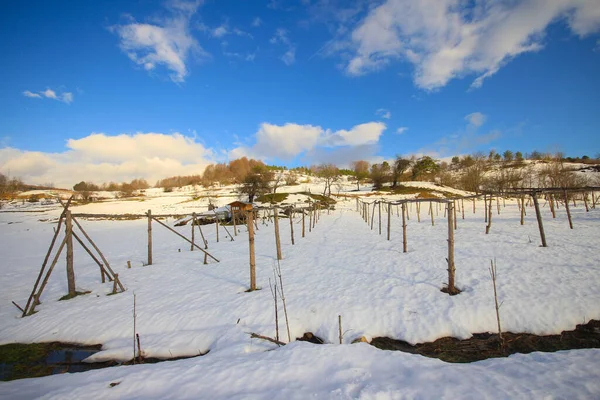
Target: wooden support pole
303 214
539 219
389 224
454 207
489 217
277 241
379 217
149 237
70 269
373 215
522 209
408 210
193 232
36 297
462 207
451 268
217 225
340 328
568 210
310 213
234 223
251 248
404 239
292 224
485 207
202 234
418 206
56 233
431 212
102 269
184 238
473 205
585 201
551 200
104 260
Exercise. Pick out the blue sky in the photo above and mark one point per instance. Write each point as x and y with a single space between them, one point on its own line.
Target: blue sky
113 90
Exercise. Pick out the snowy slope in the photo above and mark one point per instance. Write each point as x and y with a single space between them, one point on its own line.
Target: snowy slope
342 268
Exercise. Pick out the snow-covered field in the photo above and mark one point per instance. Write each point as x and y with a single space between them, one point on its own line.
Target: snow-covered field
342 268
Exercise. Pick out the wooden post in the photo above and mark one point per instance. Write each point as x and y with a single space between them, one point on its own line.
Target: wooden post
451 269
522 209
593 200
389 225
380 217
310 213
418 206
498 204
551 200
539 218
277 241
303 222
485 207
568 210
373 216
193 231
473 205
585 201
149 237
404 241
249 218
292 224
340 328
234 216
489 217
70 270
357 204
454 207
462 208
217 225
431 212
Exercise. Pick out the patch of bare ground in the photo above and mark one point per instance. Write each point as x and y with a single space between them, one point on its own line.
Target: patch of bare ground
482 346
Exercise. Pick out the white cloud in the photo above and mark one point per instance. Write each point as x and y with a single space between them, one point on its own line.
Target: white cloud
27 93
401 130
102 158
290 140
476 119
446 39
65 97
383 113
256 22
289 57
220 31
281 37
168 43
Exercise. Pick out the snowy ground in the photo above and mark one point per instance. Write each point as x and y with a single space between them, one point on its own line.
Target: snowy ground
342 268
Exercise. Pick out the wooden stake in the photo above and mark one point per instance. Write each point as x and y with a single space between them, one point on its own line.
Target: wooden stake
454 207
249 217
193 232
70 270
277 241
522 209
489 217
340 328
462 208
451 269
404 239
373 216
36 297
539 218
585 201
184 238
303 214
379 217
234 224
149 237
418 206
568 210
493 275
292 224
389 224
431 212
485 207
217 225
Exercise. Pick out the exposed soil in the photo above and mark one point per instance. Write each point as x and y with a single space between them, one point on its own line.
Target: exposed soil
487 345
32 360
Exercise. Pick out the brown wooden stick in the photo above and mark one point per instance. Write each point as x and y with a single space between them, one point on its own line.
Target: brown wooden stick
36 297
404 238
224 227
568 210
70 269
249 218
292 224
149 237
451 268
257 336
56 232
277 240
102 269
389 222
19 307
539 219
105 261
184 238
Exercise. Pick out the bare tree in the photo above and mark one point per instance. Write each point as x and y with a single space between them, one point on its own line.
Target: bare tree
330 173
361 171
